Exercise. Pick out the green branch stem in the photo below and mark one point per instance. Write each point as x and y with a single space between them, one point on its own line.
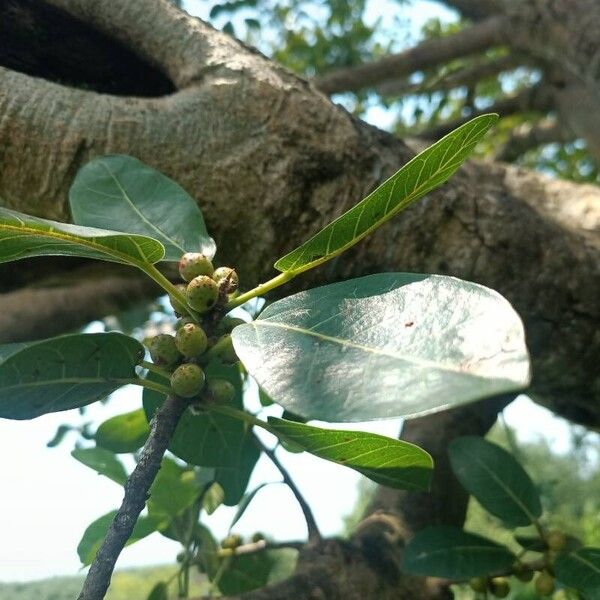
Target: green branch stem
261 289
155 369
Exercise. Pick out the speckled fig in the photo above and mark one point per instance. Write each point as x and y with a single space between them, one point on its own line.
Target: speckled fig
193 264
228 278
178 307
187 380
202 293
221 390
191 340
163 350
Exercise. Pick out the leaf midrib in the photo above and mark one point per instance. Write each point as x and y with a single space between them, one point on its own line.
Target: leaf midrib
68 380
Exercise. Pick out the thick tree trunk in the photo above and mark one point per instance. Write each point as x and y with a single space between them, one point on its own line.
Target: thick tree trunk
270 160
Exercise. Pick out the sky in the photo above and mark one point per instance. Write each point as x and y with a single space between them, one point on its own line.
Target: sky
47 499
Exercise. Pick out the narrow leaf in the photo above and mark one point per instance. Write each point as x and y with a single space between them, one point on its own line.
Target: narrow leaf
123 433
159 592
119 192
496 480
65 372
451 553
103 462
580 570
386 345
245 503
23 236
387 461
422 174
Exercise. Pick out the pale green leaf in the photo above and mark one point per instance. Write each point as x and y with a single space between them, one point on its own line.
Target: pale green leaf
123 433
386 345
422 174
103 462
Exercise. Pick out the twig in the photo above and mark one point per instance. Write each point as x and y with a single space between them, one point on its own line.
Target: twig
311 524
259 546
136 493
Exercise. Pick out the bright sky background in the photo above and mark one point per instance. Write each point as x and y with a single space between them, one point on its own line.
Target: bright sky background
48 499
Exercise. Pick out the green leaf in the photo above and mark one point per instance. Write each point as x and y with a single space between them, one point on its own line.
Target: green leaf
159 592
96 531
234 478
173 490
451 553
496 480
103 462
246 572
580 570
119 192
205 439
386 345
387 461
23 236
422 174
213 498
124 433
531 543
65 372
245 502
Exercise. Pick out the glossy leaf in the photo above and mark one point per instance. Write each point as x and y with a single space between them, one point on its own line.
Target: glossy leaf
206 438
386 345
416 178
173 490
496 480
103 462
119 192
451 553
124 433
387 461
65 372
580 570
96 531
23 236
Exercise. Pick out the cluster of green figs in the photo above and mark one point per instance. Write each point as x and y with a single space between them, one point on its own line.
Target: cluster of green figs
545 584
185 353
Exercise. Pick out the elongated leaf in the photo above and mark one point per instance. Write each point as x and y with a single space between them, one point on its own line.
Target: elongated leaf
205 439
386 345
123 433
119 192
387 461
23 236
95 532
103 462
159 592
451 553
422 174
580 570
245 503
65 372
496 480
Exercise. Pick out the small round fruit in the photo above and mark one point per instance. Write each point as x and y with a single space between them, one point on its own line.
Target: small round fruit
221 390
556 540
191 340
232 541
258 537
163 350
202 293
499 587
544 584
228 324
187 380
227 274
178 307
478 584
192 264
523 572
225 351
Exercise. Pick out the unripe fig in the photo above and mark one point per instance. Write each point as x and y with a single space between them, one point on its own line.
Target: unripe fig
499 587
544 584
224 350
192 264
227 324
227 277
221 390
478 584
163 350
232 541
523 572
187 380
202 293
258 537
556 540
191 340
178 307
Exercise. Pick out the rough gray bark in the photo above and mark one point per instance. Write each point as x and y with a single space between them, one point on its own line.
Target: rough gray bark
270 160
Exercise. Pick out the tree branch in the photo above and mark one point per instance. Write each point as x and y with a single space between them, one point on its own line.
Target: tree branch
311 524
425 55
136 493
476 9
531 135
